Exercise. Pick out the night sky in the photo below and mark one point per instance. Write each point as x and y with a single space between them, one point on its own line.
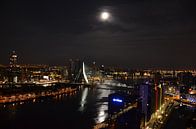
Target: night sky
140 34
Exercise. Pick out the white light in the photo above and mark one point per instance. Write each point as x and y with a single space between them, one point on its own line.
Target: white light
46 77
105 16
83 100
84 73
101 113
117 100
101 119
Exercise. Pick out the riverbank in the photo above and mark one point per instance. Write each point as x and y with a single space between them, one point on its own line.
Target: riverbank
31 93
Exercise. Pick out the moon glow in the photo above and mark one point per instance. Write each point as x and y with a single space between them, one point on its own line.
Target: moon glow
105 16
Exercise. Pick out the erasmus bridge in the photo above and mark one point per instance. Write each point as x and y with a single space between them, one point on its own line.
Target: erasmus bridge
86 75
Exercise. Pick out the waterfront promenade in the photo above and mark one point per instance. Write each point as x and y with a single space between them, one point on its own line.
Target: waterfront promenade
34 93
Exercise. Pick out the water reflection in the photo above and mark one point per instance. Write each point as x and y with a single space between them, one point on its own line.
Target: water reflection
85 107
83 100
102 114
102 99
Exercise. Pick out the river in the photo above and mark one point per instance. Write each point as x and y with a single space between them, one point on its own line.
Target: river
80 110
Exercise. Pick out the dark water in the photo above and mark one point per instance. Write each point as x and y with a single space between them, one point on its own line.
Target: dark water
77 111
180 118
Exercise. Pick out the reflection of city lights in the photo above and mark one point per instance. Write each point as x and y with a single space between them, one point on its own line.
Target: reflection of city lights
83 100
101 113
101 119
147 127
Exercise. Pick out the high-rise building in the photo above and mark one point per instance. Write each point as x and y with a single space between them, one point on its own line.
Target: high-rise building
13 71
13 59
147 103
129 120
152 96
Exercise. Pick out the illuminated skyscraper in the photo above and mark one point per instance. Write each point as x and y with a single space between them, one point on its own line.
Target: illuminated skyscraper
129 120
146 96
13 59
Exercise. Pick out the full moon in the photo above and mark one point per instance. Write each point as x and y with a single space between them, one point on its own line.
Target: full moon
105 16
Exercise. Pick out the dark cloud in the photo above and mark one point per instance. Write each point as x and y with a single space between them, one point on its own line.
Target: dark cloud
141 33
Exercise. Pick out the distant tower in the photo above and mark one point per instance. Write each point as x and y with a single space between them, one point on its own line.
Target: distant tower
13 59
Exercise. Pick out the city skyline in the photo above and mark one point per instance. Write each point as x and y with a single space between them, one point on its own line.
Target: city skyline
141 34
20 63
98 64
